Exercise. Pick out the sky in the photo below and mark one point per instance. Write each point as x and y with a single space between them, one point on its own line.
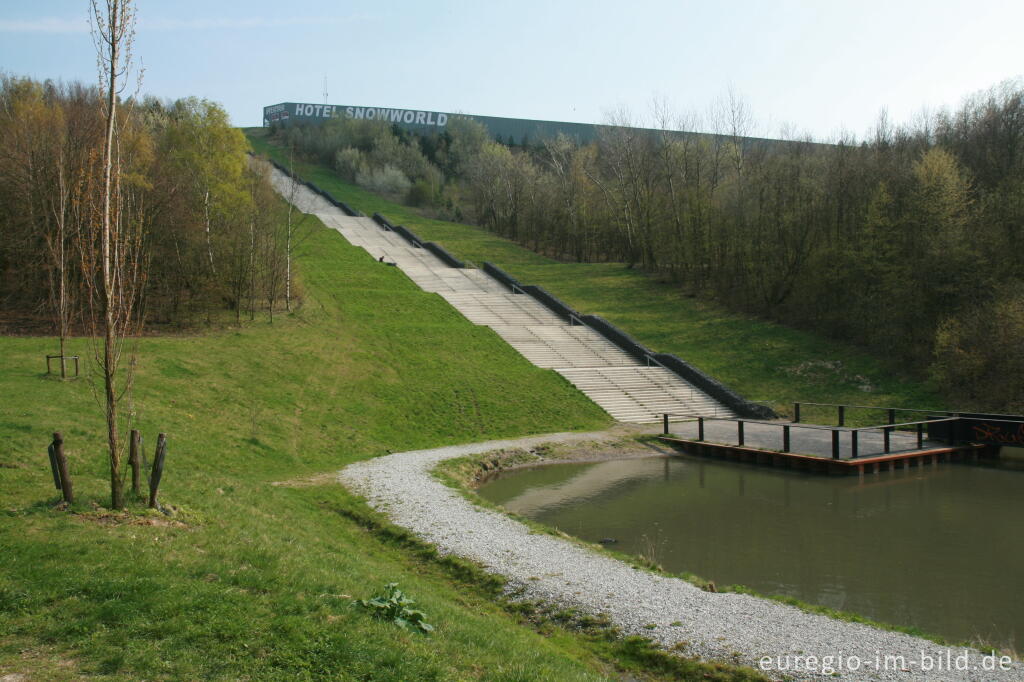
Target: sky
820 67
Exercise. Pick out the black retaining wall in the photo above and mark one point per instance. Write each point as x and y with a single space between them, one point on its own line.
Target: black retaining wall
618 337
442 253
552 303
714 388
497 273
383 222
408 235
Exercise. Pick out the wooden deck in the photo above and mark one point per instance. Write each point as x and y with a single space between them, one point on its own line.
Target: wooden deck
816 463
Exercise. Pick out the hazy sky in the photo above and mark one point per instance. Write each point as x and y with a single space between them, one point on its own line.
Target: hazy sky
821 66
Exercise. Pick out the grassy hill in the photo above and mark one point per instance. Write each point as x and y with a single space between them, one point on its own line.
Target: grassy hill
762 360
254 580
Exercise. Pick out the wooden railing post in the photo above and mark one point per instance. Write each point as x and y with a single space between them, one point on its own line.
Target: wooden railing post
739 432
785 437
842 415
796 413
664 423
700 428
835 444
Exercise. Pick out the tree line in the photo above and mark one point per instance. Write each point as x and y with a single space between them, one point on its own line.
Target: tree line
203 233
905 242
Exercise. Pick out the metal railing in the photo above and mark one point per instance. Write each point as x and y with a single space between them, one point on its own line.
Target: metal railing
837 431
890 411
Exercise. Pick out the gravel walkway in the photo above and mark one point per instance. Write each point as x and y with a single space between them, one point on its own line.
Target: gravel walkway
725 627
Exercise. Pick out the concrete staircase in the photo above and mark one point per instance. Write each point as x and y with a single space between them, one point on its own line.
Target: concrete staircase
624 387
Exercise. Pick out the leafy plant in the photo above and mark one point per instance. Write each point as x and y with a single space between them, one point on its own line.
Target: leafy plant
393 605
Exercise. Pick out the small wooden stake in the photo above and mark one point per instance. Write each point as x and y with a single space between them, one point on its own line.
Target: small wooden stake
158 469
134 463
62 467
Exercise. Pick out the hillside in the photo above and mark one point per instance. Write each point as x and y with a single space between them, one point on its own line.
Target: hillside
762 360
251 579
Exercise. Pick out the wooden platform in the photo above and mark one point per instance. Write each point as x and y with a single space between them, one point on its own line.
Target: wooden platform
826 465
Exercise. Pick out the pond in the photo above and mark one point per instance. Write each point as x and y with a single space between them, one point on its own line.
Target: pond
939 548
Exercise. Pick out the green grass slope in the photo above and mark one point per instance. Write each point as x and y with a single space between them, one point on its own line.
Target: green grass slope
254 580
762 360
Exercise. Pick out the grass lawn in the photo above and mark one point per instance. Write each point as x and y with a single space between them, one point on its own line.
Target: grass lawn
764 361
252 580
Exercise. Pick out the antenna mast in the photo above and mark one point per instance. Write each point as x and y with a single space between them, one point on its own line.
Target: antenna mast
325 89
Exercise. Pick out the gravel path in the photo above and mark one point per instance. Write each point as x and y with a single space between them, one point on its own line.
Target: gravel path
722 627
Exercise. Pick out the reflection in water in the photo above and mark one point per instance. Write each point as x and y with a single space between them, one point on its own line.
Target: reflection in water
937 547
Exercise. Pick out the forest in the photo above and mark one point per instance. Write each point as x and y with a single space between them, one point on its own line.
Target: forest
203 235
904 243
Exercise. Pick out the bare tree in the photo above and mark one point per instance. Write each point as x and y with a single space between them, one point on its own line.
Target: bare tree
114 308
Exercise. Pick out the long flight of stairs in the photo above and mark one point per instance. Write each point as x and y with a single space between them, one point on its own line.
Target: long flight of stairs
624 387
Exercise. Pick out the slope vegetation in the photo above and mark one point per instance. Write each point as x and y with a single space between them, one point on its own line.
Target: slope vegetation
762 360
251 579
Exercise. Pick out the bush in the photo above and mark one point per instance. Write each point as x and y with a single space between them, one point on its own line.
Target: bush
386 180
979 357
420 194
349 162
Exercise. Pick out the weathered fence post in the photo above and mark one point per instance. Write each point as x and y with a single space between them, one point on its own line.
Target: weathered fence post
54 469
62 467
158 469
135 463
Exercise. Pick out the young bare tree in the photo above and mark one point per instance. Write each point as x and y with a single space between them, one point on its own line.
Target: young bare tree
116 272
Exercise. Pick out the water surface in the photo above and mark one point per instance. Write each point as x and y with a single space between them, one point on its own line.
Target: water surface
939 548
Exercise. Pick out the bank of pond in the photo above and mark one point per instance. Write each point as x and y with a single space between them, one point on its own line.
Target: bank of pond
935 548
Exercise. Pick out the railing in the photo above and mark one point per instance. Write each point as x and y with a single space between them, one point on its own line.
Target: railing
890 411
837 431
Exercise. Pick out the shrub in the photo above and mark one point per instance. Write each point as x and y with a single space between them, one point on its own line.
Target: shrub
349 162
386 180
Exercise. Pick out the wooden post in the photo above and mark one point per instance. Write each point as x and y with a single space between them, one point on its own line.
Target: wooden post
158 469
785 438
796 413
664 421
135 462
62 467
53 466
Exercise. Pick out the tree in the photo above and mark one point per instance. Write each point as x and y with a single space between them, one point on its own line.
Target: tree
115 307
